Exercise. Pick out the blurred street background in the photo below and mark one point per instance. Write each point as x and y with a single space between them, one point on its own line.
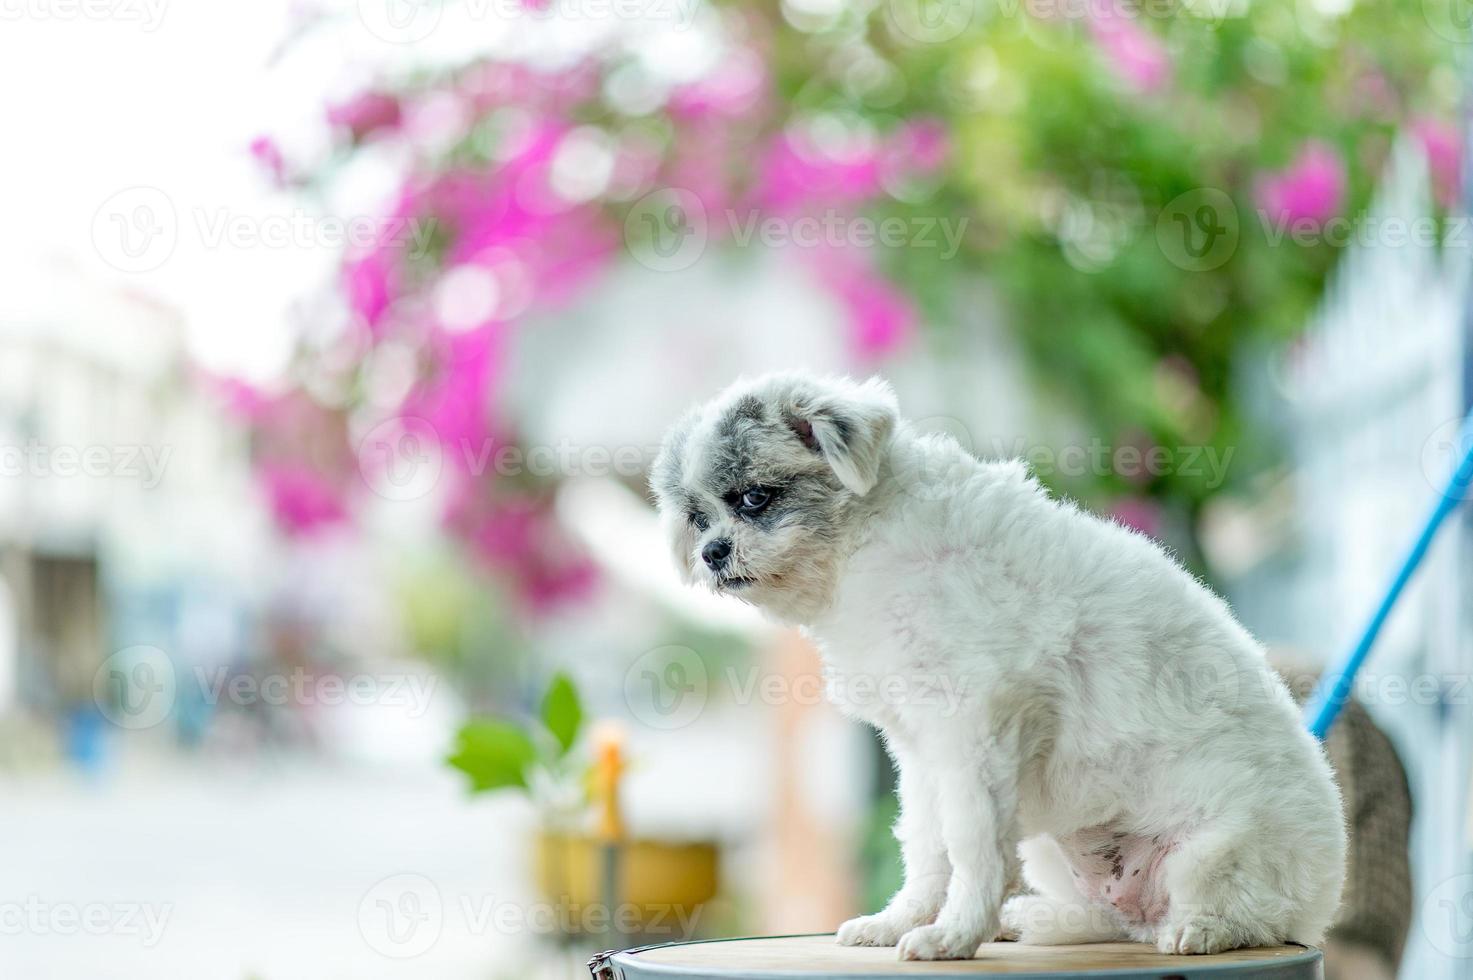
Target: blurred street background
337 637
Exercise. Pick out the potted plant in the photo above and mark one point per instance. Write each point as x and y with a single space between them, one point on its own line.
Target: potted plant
598 877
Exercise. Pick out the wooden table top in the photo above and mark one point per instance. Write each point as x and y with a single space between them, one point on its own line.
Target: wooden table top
820 956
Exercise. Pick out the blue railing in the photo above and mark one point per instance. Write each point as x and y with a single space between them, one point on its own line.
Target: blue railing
1335 686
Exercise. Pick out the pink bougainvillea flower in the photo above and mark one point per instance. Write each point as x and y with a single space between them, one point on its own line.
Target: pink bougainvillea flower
373 275
1441 145
299 455
922 144
241 399
366 113
302 500
881 317
456 397
520 537
268 155
1140 513
370 283
796 175
1134 53
514 210
1311 188
493 84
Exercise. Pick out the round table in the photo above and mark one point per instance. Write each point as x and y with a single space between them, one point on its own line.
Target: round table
820 958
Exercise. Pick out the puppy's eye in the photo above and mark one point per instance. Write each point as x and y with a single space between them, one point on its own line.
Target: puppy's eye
754 499
700 522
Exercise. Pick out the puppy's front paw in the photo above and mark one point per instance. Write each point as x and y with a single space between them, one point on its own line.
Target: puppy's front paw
940 942
1196 934
883 929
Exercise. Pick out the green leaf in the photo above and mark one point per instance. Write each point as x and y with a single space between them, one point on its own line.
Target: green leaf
495 754
562 713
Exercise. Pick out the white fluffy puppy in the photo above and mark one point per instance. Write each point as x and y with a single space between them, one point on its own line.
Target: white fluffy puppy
1115 727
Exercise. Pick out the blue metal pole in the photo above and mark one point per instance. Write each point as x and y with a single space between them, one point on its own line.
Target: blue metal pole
1335 686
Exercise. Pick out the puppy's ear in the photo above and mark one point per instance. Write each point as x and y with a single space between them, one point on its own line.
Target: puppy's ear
848 424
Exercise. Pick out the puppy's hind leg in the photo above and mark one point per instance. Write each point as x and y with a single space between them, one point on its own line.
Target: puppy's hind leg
1038 920
1218 900
1056 914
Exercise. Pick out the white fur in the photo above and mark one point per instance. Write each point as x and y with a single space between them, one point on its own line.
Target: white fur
1102 690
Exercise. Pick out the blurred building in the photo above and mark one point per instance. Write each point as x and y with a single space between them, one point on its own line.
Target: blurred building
124 499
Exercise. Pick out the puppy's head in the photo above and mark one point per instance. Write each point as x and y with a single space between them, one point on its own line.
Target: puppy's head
756 487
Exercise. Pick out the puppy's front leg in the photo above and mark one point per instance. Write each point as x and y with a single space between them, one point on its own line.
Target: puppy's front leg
978 802
927 869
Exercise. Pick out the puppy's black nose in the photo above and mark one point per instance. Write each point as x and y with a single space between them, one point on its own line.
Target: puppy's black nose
715 553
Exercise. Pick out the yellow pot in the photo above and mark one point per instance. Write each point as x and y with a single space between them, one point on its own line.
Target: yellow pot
661 885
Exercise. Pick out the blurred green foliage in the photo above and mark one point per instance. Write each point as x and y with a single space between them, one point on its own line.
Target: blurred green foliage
1068 174
498 753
